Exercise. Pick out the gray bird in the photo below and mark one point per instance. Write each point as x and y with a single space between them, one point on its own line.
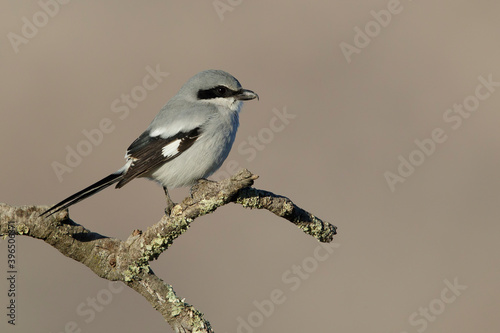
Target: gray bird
189 138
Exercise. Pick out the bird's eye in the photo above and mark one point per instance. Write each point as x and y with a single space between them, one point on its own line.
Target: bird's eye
221 91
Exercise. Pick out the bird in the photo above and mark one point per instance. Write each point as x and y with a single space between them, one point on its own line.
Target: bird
188 140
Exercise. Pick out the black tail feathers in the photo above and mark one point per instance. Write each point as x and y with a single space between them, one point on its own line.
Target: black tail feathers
85 193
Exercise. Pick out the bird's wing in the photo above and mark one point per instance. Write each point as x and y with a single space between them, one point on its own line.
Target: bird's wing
148 152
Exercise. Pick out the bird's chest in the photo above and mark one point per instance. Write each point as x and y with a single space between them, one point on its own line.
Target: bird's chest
219 138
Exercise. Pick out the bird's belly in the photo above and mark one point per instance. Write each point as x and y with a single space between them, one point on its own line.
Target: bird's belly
200 161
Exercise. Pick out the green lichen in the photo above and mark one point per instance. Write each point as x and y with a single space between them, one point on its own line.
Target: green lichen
287 208
160 243
198 324
134 270
207 206
176 303
251 200
23 229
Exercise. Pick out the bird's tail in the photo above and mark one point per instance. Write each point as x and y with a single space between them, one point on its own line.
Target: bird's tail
85 193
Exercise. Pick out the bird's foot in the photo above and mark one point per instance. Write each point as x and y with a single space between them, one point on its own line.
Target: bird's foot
168 209
170 203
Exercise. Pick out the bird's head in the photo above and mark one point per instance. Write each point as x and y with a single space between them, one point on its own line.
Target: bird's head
218 88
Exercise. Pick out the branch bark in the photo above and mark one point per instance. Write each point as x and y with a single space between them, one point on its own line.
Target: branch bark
128 261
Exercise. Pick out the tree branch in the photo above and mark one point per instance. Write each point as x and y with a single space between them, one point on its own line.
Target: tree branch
128 261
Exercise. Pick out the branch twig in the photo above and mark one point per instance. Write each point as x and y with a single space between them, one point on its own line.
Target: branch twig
128 261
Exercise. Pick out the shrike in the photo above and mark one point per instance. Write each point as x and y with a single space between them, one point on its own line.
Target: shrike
189 138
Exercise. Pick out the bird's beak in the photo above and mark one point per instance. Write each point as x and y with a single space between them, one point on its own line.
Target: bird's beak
246 95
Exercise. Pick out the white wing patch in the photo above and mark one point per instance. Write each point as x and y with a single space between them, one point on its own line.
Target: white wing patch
171 149
173 129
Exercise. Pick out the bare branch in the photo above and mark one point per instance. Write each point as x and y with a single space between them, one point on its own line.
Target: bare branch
128 261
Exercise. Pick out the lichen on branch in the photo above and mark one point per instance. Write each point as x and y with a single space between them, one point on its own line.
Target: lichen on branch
128 261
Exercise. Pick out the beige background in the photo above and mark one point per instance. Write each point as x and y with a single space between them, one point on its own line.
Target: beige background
394 249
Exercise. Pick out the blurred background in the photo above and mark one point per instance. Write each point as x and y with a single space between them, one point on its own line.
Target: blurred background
352 95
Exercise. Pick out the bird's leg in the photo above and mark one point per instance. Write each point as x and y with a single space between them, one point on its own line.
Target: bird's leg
170 203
